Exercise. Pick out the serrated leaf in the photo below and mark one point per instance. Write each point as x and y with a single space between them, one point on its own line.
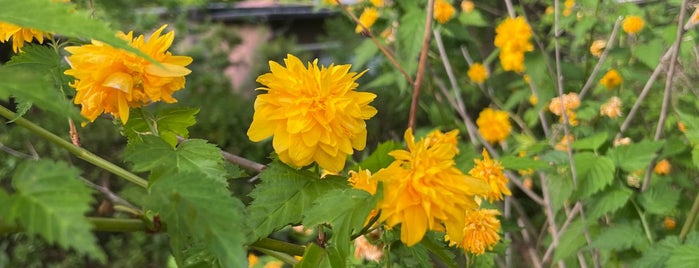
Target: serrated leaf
365 52
522 163
684 256
435 244
170 123
379 158
203 210
560 190
594 172
656 255
590 143
51 202
284 195
61 18
193 155
635 156
415 256
314 257
659 199
620 236
609 201
570 242
407 46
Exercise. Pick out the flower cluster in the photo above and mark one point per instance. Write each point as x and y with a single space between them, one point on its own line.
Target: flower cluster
632 24
111 80
611 108
568 103
494 125
480 231
443 11
477 73
611 79
512 37
490 171
314 113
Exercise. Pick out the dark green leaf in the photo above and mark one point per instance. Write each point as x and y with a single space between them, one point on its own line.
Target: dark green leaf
379 158
659 199
51 201
609 201
314 257
590 143
620 236
594 172
635 156
284 195
436 245
365 52
656 255
684 256
204 211
572 240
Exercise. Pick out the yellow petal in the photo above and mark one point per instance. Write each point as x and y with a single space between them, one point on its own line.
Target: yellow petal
119 80
414 226
167 70
123 109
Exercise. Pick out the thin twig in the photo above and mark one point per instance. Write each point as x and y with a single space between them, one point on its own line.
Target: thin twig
245 163
14 152
113 198
588 238
510 8
536 262
426 37
610 43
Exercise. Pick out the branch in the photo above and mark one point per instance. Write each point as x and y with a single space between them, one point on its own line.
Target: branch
421 65
610 43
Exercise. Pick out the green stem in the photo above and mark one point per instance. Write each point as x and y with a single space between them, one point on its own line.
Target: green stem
100 224
689 222
77 151
644 222
281 246
279 255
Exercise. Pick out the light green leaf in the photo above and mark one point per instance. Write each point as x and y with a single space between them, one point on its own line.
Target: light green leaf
590 143
522 163
560 190
314 257
609 201
365 52
649 53
572 240
284 195
620 236
193 155
659 199
50 201
473 18
594 172
684 256
411 24
379 158
170 123
203 211
656 255
635 156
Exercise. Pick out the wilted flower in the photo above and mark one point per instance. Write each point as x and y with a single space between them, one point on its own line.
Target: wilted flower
512 37
363 249
563 144
363 180
632 24
611 108
568 103
494 125
621 141
479 232
663 167
423 190
313 113
367 18
467 6
111 80
443 11
611 79
477 73
597 47
490 171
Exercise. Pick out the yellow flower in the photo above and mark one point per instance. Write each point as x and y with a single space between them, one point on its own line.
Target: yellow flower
494 125
252 260
479 232
423 190
111 80
563 144
569 4
570 101
363 180
477 73
669 223
611 79
490 171
632 24
313 113
19 35
549 10
330 2
663 167
533 100
512 37
378 3
367 18
597 47
681 126
611 108
467 6
274 264
443 11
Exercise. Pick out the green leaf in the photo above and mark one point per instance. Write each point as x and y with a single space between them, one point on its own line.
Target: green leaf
61 18
193 155
365 52
522 163
572 240
170 123
635 156
473 18
314 257
560 190
649 53
435 244
411 25
50 201
591 143
656 255
659 199
284 195
684 256
204 211
379 158
609 201
594 172
620 236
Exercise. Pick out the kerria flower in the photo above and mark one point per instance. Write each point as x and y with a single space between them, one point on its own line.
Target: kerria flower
313 113
563 144
467 6
512 37
423 190
20 35
367 18
490 171
480 231
378 3
363 180
568 103
632 24
611 108
443 11
611 79
597 47
477 73
663 167
494 125
569 4
112 80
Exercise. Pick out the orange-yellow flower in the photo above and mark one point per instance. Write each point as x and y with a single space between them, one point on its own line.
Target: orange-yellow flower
512 37
569 4
378 3
669 223
597 47
423 190
19 35
467 6
367 18
443 11
490 171
111 80
479 232
494 125
611 79
681 126
252 260
563 144
314 113
477 73
363 180
632 24
611 108
663 167
568 103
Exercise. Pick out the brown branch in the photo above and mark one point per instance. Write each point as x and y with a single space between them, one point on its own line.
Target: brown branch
422 63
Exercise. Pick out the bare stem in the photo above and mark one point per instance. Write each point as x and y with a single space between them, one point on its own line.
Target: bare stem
610 43
426 37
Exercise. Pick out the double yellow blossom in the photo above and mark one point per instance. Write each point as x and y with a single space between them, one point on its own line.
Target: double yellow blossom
111 80
512 37
314 113
443 11
611 108
480 231
611 79
367 18
491 172
477 73
494 125
632 24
